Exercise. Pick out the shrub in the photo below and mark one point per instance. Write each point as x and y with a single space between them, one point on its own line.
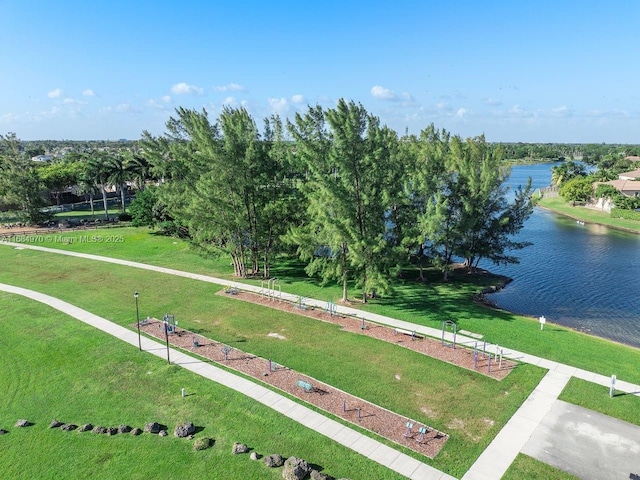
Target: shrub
626 214
203 443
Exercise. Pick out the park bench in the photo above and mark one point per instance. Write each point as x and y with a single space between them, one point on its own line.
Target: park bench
412 334
306 386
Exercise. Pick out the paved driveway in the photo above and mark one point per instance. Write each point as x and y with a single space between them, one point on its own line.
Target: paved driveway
587 444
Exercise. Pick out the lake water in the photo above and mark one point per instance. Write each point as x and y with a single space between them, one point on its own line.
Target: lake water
580 276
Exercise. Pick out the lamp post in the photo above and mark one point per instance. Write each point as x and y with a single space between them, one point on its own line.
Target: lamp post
135 295
166 336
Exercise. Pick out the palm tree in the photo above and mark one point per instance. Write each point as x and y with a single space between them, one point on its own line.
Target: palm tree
138 167
118 175
98 173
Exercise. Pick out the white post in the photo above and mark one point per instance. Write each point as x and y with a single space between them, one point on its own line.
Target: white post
542 322
612 389
183 392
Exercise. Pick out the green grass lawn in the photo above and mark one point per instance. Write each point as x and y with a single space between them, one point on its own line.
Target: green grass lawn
86 213
422 303
622 406
468 406
525 467
558 204
57 367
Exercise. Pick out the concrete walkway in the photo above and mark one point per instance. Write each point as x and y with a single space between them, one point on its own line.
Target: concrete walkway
509 441
587 444
504 448
370 448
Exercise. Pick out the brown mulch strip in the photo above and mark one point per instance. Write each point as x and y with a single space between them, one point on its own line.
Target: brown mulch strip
366 415
462 357
330 399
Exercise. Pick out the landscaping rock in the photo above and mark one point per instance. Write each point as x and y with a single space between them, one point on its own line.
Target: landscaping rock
23 423
203 443
67 427
99 429
184 429
124 429
274 460
136 431
239 448
163 433
112 430
316 475
85 428
295 469
152 427
255 456
55 423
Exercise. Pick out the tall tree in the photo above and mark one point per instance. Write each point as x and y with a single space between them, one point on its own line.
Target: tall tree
347 155
20 183
227 184
468 213
58 176
97 172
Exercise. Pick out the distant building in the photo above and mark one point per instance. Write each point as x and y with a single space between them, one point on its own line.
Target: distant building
42 158
632 175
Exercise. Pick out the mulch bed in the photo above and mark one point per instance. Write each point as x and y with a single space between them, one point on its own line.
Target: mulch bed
462 357
341 404
366 415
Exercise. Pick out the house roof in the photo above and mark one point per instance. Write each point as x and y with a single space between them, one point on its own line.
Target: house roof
633 158
623 185
632 175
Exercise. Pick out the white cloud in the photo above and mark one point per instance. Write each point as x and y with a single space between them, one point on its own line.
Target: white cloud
562 111
232 87
492 102
88 93
383 93
230 101
519 111
461 112
160 103
121 108
297 99
56 93
186 89
279 105
444 107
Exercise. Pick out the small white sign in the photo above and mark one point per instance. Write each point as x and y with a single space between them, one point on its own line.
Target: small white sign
542 322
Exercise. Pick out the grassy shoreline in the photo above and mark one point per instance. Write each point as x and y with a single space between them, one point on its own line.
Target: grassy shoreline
558 205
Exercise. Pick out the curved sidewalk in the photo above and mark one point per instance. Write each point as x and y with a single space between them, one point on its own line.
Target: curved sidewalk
370 448
557 367
497 457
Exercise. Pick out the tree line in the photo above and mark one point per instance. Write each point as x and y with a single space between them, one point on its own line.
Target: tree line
342 191
352 199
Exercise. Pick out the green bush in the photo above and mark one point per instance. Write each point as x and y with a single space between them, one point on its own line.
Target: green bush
203 443
626 214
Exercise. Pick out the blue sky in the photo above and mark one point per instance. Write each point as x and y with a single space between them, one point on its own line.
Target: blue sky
529 71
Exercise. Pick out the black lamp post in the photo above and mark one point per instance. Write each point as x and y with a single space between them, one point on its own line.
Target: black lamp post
166 336
135 295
